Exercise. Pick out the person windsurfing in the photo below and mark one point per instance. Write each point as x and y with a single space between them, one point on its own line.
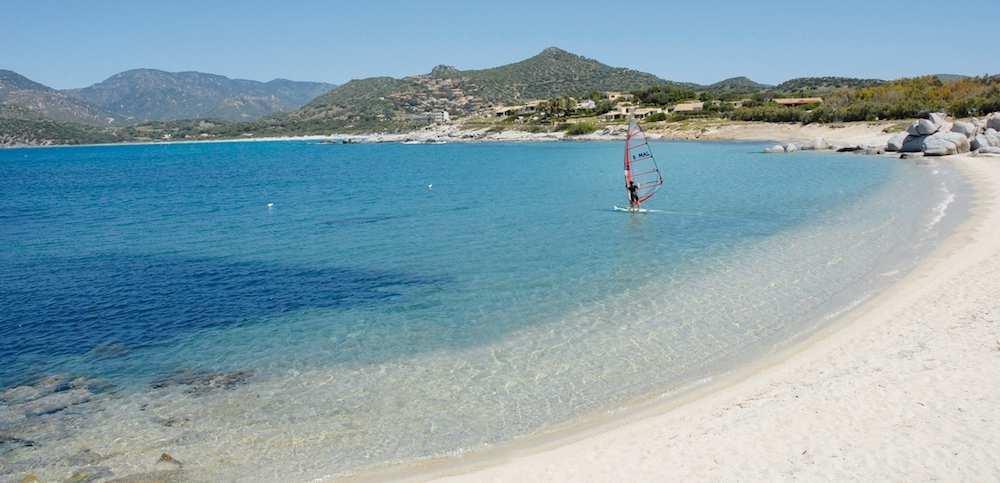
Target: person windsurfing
633 195
642 176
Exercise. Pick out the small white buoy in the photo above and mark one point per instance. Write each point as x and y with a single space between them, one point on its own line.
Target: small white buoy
430 187
270 205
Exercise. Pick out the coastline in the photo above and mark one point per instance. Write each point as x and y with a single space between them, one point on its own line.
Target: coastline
849 133
481 462
869 396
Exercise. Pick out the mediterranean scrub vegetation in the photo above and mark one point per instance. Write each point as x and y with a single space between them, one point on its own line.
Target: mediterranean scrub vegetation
663 95
578 128
900 99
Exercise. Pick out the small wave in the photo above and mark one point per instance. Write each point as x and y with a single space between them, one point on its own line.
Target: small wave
942 208
851 306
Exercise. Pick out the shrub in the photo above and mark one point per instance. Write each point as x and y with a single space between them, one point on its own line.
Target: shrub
579 128
769 113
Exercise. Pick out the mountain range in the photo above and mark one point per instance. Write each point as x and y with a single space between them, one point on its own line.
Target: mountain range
156 95
142 95
149 103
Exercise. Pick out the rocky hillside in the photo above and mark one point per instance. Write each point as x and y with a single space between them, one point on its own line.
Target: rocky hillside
23 98
148 94
551 73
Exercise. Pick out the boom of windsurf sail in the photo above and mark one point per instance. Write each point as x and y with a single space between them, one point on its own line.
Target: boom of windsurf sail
640 167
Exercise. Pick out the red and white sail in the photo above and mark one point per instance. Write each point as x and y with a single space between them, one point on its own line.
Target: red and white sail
640 167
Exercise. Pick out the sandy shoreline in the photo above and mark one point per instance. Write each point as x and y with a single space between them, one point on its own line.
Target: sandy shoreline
905 386
852 133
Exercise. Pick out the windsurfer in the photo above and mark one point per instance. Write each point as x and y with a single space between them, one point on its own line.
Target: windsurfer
633 194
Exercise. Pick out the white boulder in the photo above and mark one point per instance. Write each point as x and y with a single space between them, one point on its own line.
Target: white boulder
944 144
937 118
938 146
912 144
965 128
791 148
961 141
777 148
896 142
985 140
820 144
923 127
993 121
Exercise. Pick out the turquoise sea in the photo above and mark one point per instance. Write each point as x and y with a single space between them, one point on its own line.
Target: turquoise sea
296 310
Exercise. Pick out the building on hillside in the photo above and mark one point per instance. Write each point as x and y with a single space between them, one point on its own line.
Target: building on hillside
644 112
519 110
692 106
798 101
505 111
430 116
618 96
587 104
738 103
439 116
616 115
531 106
622 113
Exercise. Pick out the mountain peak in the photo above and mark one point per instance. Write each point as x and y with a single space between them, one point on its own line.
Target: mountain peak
556 53
553 50
443 70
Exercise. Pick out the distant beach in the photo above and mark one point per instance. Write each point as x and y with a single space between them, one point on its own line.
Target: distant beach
848 133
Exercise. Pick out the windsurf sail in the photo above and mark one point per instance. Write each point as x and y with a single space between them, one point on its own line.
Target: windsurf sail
640 167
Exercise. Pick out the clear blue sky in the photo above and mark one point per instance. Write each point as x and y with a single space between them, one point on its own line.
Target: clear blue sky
76 43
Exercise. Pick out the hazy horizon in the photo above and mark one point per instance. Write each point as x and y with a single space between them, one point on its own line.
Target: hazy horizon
74 45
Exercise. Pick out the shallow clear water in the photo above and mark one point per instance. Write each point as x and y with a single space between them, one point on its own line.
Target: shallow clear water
404 301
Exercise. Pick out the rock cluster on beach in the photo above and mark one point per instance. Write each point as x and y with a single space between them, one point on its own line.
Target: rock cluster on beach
932 135
818 144
935 136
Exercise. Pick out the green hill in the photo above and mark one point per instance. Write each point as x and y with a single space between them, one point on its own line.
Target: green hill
552 73
737 84
814 84
368 98
25 131
392 102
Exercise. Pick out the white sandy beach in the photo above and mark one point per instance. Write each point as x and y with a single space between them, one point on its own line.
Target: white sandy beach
905 387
